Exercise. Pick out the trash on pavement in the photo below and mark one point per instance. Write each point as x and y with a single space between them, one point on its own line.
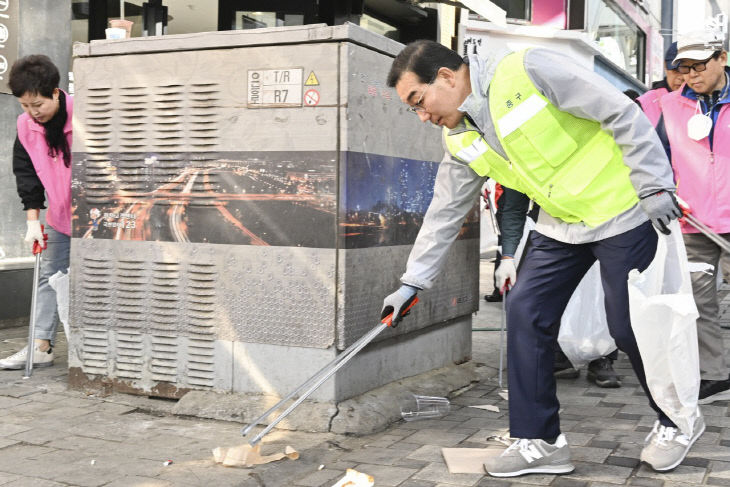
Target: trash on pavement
488 407
353 478
167 462
468 460
504 395
247 455
413 407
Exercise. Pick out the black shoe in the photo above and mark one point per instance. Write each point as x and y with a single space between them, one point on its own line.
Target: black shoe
601 372
562 368
495 297
714 390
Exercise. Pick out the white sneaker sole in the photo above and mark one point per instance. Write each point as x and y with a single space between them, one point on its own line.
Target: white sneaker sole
553 469
684 455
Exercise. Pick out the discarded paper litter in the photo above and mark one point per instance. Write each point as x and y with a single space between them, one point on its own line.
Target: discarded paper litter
488 407
353 478
467 460
247 456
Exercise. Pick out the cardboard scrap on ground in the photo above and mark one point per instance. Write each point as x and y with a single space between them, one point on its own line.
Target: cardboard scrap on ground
247 456
468 460
488 407
353 478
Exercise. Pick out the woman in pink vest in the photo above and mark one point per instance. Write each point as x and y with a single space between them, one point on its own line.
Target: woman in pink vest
695 123
42 164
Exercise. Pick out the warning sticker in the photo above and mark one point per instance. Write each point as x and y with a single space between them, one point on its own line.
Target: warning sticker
311 79
275 88
311 98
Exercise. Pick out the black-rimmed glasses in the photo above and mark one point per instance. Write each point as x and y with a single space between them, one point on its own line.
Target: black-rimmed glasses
698 67
417 107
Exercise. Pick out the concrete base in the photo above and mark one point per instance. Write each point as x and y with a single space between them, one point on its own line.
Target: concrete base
255 369
368 413
377 364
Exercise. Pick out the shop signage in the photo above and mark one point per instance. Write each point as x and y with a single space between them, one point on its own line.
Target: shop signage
8 40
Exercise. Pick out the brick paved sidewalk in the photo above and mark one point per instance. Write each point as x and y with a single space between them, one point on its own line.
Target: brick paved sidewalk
50 436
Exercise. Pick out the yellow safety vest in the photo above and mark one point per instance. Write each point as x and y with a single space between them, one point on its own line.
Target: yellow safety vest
568 165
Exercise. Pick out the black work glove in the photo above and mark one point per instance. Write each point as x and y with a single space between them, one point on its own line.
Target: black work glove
662 207
398 303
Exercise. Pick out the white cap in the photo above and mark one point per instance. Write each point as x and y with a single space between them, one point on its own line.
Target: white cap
698 45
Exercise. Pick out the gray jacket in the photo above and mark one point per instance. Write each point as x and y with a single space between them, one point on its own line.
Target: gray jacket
572 89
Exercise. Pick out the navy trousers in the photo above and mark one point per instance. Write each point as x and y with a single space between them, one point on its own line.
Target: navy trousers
550 272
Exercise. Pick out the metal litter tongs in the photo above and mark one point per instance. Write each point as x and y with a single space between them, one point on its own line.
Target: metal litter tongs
38 248
321 376
704 229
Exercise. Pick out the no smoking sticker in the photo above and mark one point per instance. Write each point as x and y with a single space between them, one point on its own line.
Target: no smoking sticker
311 98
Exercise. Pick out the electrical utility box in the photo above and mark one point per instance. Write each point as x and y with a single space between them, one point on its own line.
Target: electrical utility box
242 203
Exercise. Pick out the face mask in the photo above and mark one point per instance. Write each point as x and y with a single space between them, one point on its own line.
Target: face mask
699 125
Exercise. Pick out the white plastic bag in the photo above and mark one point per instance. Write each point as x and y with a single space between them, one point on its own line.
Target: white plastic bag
584 334
663 317
59 283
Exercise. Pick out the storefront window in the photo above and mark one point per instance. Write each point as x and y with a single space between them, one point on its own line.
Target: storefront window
89 18
256 20
258 14
379 27
516 9
80 21
619 39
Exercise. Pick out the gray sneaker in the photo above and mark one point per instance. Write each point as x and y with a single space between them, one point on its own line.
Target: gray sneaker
666 447
531 456
17 360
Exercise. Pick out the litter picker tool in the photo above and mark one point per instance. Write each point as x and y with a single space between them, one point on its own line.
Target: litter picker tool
721 242
704 229
38 248
501 335
321 376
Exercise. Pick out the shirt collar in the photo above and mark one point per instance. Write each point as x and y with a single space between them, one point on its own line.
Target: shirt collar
481 72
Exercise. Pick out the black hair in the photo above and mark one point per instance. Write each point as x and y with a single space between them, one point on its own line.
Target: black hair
34 74
423 58
37 75
717 54
55 138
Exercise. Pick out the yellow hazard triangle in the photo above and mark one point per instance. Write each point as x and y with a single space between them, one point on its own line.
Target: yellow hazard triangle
311 80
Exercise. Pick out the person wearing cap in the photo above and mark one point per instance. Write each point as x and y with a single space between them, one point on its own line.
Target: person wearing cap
672 81
565 137
695 128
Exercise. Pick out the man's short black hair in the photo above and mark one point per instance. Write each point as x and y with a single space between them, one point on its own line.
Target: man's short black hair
424 59
34 74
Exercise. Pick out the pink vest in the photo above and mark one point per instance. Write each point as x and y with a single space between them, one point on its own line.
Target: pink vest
54 175
650 104
703 176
